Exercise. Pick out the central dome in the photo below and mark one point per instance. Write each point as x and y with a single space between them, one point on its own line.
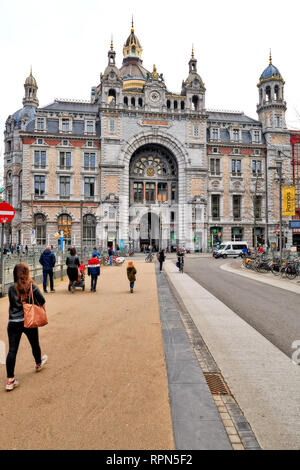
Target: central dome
132 46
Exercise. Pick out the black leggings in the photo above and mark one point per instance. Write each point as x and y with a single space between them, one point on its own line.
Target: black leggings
15 331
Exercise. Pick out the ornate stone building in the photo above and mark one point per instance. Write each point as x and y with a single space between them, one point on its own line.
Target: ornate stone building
140 165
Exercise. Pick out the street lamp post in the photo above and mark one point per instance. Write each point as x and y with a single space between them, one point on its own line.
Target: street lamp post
279 170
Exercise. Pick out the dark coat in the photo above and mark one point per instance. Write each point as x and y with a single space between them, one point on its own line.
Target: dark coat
72 261
131 272
47 260
161 256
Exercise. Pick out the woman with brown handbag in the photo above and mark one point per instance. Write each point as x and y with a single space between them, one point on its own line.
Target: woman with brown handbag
19 294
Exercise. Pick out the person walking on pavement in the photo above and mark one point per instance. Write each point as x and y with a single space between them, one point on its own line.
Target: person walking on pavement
110 254
18 293
180 258
161 259
131 274
48 260
73 263
94 271
96 252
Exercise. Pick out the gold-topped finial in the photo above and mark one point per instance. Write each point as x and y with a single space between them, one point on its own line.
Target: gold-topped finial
111 43
192 51
31 70
132 26
270 58
154 73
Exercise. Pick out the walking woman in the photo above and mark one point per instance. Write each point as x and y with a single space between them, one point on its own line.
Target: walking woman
73 263
17 294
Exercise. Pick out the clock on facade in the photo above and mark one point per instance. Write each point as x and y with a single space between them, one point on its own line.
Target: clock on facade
154 96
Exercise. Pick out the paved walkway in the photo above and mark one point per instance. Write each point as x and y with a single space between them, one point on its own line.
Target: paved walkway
263 380
105 385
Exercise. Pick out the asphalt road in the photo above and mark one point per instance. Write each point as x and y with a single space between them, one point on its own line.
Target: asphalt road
273 312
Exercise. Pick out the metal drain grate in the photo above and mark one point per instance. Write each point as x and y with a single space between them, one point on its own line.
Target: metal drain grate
216 384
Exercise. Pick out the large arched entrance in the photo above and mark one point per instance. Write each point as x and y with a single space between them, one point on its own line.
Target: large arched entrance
153 186
150 232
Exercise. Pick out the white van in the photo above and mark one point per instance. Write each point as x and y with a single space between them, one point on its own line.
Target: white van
230 249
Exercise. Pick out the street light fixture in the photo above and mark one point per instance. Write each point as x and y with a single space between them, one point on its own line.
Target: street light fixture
279 172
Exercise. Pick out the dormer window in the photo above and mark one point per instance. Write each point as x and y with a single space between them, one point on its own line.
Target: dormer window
236 135
65 125
256 136
40 124
215 134
89 127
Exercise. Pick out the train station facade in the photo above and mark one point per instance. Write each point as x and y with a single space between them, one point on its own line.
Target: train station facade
139 165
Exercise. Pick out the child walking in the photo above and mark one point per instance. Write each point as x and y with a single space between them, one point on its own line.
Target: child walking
94 271
131 272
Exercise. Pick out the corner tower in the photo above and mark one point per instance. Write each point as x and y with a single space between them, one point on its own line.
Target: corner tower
271 108
30 98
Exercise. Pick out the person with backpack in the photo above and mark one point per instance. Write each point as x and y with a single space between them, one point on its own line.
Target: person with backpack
48 260
94 271
131 274
73 263
18 294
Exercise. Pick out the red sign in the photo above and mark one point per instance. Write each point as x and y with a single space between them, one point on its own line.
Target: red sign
7 212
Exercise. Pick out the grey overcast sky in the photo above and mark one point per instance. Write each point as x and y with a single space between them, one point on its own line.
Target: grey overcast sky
66 42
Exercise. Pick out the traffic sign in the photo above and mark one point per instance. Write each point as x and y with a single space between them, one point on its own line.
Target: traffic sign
7 212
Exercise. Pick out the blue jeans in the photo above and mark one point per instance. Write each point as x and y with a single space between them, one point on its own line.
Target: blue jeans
45 274
110 260
131 285
94 279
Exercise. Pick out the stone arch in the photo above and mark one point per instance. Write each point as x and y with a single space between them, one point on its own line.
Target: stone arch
65 211
39 211
156 136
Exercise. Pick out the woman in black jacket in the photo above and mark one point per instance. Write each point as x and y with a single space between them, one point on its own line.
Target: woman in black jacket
73 263
17 294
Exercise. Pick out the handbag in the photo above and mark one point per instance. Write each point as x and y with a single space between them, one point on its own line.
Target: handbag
34 315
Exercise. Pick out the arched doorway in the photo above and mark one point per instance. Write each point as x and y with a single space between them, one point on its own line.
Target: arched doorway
153 183
150 231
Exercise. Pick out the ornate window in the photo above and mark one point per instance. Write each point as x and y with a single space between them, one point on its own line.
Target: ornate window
40 229
65 225
153 175
89 230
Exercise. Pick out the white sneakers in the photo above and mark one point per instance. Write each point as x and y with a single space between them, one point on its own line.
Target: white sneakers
10 385
41 365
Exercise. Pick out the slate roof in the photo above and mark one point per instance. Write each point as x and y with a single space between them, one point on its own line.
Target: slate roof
229 116
71 106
